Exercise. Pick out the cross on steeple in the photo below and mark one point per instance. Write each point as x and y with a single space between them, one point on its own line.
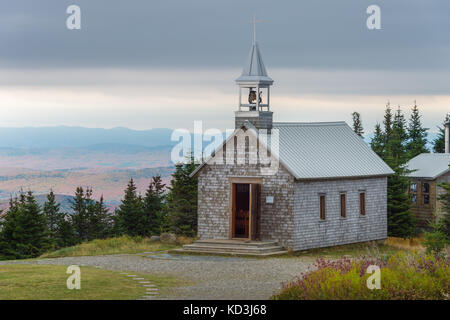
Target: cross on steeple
254 27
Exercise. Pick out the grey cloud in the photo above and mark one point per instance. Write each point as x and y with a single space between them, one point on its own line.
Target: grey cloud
325 34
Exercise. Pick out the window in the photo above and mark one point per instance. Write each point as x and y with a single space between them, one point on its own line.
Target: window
362 203
413 192
426 193
322 207
343 205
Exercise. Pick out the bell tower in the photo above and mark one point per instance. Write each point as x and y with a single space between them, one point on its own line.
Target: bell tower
254 90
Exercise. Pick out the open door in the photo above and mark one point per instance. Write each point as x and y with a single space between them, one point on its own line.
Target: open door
254 211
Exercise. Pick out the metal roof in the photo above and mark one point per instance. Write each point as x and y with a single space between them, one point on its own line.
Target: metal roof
429 165
323 150
254 69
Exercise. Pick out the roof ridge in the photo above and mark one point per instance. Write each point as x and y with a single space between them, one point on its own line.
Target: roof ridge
324 123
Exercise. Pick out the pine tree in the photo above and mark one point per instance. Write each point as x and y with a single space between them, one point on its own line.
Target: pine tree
378 140
80 219
417 135
153 206
182 200
357 124
130 214
439 142
31 233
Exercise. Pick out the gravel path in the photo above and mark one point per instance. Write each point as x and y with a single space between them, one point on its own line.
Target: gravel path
206 277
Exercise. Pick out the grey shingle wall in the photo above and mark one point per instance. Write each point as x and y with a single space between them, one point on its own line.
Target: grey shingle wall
311 232
214 201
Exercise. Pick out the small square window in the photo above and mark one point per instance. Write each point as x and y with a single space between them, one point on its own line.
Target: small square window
414 198
426 199
413 187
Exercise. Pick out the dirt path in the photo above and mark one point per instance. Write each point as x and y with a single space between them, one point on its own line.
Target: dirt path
205 277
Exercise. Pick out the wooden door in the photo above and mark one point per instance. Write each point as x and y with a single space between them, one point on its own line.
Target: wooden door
254 211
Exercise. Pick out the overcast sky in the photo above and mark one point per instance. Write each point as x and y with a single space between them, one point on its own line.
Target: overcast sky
165 63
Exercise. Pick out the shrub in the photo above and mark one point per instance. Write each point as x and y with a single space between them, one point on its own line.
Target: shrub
435 242
403 277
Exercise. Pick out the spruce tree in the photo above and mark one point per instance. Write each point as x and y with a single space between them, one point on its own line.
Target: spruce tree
65 234
378 140
357 124
80 219
439 142
153 206
31 232
182 200
100 220
401 221
387 122
8 240
52 213
130 214
417 135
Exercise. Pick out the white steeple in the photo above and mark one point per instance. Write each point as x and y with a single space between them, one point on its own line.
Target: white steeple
254 77
256 107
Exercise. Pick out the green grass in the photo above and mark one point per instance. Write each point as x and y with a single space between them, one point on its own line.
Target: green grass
48 282
118 245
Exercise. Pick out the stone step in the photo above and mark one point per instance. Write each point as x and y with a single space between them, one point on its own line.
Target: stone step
213 248
242 253
258 244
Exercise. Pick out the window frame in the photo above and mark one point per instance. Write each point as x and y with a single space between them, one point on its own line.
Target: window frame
343 204
362 203
322 207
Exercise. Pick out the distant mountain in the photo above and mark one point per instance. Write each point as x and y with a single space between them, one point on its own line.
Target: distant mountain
63 136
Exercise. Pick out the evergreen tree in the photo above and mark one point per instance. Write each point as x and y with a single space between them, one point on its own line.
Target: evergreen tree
52 214
182 200
378 140
439 142
7 235
153 206
400 218
31 233
417 135
130 214
357 124
387 122
65 234
80 219
100 220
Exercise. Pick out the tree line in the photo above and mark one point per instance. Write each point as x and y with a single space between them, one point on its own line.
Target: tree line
29 230
397 141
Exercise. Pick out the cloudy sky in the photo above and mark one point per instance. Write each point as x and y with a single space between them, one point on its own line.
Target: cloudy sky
165 63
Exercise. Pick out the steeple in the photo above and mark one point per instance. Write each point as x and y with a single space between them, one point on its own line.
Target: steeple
254 78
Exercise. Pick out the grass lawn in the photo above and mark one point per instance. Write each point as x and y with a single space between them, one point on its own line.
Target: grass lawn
48 282
116 245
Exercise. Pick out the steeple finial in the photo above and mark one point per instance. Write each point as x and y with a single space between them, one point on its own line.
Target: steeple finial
254 27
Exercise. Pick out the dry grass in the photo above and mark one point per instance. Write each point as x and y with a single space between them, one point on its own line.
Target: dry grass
413 244
118 245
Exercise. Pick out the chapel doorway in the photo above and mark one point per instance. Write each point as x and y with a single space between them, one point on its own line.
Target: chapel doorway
245 213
